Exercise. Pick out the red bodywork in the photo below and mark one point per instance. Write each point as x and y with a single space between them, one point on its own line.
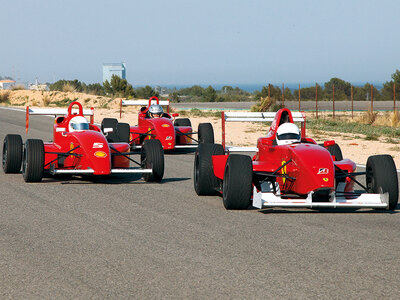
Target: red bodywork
92 149
162 129
310 166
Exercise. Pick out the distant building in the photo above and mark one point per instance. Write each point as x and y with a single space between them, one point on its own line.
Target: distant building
111 69
38 87
6 84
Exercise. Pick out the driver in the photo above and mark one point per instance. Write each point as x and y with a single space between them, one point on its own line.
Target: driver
78 123
155 111
288 133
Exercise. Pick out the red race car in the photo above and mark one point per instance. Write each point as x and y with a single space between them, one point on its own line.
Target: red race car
291 170
78 148
154 123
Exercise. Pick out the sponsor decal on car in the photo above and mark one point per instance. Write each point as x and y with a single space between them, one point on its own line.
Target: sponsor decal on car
97 145
325 179
323 171
165 125
100 154
71 146
168 138
283 172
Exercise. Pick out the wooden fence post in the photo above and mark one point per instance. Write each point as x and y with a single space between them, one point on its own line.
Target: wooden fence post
299 98
352 99
394 97
333 97
372 98
316 100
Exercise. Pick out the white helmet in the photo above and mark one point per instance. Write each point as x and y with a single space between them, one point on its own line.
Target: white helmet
287 133
155 109
78 123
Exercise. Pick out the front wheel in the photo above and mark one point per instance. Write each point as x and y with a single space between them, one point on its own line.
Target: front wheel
237 185
152 157
381 177
33 160
12 153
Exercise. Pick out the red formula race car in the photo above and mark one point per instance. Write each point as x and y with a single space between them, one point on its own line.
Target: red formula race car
291 170
154 123
78 148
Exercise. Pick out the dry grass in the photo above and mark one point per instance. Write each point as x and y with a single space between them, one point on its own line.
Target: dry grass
394 118
69 88
369 117
46 100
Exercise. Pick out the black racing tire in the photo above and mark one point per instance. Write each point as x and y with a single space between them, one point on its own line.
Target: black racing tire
237 184
33 160
206 133
381 177
152 157
123 132
335 151
12 153
182 122
205 182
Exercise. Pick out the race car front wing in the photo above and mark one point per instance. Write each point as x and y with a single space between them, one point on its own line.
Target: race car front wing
264 199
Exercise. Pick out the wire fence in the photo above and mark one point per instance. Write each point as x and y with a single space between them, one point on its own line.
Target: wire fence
334 100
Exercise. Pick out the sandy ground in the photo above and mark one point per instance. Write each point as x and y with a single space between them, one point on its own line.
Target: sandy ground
353 146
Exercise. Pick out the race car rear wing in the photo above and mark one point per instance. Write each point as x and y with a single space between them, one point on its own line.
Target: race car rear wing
255 117
142 102
56 112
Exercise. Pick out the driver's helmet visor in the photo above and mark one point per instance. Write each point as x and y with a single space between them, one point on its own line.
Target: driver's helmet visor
156 115
289 136
80 126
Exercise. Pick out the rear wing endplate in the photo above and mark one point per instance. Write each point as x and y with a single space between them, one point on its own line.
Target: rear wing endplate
141 102
255 117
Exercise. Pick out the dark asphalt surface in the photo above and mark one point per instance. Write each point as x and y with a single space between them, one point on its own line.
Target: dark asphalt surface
124 238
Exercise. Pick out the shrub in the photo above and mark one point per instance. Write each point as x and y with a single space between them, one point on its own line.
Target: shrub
4 97
68 87
18 87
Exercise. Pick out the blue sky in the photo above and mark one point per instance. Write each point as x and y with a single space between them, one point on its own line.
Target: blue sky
201 42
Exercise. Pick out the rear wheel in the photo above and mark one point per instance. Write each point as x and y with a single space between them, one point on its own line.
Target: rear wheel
152 157
182 122
205 182
238 178
33 160
381 177
12 153
206 133
335 151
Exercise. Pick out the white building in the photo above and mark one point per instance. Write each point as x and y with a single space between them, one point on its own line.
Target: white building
6 84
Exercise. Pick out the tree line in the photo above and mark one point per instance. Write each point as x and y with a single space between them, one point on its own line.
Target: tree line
118 87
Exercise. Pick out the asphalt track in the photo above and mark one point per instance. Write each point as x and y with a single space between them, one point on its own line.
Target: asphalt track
124 238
